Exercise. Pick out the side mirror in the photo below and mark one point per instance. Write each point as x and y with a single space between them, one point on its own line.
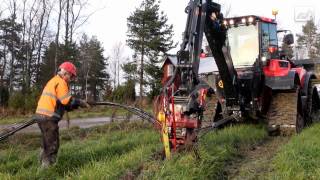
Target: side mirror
288 39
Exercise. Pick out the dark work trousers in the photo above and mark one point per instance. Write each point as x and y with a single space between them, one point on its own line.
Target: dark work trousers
50 140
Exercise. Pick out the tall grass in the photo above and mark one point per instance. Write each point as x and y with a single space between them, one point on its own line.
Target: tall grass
215 150
300 158
84 154
111 151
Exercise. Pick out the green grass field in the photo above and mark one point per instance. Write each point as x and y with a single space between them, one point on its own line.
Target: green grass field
104 152
300 158
121 149
215 150
118 149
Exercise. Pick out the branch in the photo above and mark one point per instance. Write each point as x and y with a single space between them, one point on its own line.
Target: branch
86 19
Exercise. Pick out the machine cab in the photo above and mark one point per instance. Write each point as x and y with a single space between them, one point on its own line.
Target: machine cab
251 39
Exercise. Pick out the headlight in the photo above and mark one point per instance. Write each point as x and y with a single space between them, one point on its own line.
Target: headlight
250 19
225 22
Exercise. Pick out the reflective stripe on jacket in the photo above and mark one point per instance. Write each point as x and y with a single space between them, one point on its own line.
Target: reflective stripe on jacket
54 97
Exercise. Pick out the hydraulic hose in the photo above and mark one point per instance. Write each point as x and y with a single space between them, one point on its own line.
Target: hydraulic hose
139 112
13 130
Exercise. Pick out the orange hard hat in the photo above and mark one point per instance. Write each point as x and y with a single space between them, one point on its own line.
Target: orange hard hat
69 67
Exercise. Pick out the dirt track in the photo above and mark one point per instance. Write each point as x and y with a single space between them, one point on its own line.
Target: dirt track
255 162
82 123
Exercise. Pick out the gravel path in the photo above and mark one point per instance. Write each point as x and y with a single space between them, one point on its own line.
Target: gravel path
82 123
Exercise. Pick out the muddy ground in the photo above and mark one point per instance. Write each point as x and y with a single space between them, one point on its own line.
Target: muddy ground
255 162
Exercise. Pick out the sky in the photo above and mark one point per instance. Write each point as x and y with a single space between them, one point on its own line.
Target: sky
109 22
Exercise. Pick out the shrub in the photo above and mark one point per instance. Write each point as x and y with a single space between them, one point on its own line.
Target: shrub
124 93
16 100
24 102
31 100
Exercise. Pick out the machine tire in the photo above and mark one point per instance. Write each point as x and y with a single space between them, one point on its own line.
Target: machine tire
284 115
312 107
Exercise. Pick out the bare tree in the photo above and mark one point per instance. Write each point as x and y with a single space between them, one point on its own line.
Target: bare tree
74 17
31 41
66 21
117 56
4 61
24 34
13 9
78 18
44 21
57 36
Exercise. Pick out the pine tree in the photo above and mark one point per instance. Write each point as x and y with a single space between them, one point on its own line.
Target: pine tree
130 69
131 78
10 41
47 70
310 39
92 75
150 37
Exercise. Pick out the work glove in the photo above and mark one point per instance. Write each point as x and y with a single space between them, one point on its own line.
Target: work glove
75 103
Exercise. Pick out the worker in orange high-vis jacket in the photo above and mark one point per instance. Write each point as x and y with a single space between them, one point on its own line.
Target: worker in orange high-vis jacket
54 100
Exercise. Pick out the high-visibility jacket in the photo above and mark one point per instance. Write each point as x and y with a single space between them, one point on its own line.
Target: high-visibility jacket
54 97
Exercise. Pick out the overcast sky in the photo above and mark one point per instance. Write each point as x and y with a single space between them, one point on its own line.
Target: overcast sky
109 23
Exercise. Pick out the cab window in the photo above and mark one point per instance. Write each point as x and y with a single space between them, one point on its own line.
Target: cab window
269 40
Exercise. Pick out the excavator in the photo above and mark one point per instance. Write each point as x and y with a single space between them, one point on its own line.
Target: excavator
254 80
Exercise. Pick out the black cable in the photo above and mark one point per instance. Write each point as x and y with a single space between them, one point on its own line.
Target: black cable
139 112
21 126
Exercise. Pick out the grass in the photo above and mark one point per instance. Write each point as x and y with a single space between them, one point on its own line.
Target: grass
13 119
215 150
97 112
80 113
104 152
299 159
118 149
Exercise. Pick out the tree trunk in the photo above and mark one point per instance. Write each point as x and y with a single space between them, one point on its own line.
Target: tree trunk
115 74
118 70
41 33
86 88
72 19
142 68
4 60
29 51
24 75
141 74
12 68
57 38
67 25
